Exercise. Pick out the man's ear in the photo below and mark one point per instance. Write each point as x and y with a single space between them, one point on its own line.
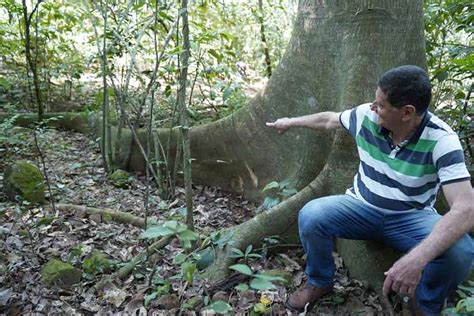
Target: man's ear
409 111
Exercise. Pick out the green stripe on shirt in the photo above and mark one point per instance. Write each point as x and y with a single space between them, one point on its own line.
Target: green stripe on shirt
422 145
398 165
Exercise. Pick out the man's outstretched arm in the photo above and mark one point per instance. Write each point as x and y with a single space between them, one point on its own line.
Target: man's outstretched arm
318 121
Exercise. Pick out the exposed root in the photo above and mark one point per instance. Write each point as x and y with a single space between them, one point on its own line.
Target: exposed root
105 213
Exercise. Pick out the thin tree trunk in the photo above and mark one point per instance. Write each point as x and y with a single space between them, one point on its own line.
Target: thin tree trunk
266 51
105 139
32 65
184 126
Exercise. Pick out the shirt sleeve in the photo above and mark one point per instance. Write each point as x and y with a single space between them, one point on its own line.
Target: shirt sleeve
352 119
448 157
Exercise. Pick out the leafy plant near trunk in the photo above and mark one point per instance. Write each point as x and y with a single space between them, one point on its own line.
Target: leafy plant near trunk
449 34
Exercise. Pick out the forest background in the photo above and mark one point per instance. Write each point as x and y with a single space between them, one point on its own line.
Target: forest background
127 61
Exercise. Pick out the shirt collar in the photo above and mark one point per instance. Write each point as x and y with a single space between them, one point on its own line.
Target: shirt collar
415 136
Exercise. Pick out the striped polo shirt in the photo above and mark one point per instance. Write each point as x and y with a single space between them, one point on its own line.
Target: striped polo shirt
408 176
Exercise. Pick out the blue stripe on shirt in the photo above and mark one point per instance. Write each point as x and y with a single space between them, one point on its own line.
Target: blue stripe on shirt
451 158
432 125
385 203
383 179
353 122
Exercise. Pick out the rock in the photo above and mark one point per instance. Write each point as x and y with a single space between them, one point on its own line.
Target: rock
168 301
119 178
26 180
59 273
246 299
367 260
96 218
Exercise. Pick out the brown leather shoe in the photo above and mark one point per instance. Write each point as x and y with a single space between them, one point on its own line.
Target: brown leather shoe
306 296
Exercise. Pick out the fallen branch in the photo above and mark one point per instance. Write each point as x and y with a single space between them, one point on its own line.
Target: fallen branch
123 272
105 213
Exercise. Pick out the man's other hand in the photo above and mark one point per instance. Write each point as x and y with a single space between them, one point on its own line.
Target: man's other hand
403 277
282 124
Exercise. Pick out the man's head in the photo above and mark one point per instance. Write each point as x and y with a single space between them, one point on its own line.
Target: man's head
407 85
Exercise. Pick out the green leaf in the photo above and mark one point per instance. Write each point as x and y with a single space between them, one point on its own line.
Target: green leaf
156 231
220 307
270 202
188 235
336 299
268 277
237 253
174 225
469 304
179 258
262 285
248 250
442 75
186 244
271 185
215 54
261 308
242 287
188 269
242 268
149 298
206 258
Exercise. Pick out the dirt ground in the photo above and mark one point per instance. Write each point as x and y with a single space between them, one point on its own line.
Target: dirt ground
29 237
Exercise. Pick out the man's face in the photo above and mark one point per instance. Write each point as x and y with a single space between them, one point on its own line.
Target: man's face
389 117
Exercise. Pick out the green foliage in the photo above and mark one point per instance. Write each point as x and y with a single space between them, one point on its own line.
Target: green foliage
220 307
58 61
120 178
171 228
449 27
465 306
96 263
276 192
160 287
10 135
260 281
239 254
187 271
204 258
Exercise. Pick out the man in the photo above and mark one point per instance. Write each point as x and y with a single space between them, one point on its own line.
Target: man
406 153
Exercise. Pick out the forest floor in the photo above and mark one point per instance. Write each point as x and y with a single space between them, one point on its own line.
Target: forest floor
29 237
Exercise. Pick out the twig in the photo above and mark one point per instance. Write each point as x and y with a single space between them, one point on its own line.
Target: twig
123 272
45 172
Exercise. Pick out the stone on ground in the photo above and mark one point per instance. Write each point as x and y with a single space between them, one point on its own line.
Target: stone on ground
24 179
61 274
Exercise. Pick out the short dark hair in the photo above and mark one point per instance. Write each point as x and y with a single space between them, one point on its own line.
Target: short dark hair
407 84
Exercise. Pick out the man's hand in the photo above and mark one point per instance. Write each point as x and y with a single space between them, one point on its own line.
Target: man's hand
404 276
282 124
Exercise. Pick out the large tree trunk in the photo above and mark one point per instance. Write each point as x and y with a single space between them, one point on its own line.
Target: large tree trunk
334 58
337 52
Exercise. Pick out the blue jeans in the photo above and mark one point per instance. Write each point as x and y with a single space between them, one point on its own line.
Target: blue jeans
344 216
